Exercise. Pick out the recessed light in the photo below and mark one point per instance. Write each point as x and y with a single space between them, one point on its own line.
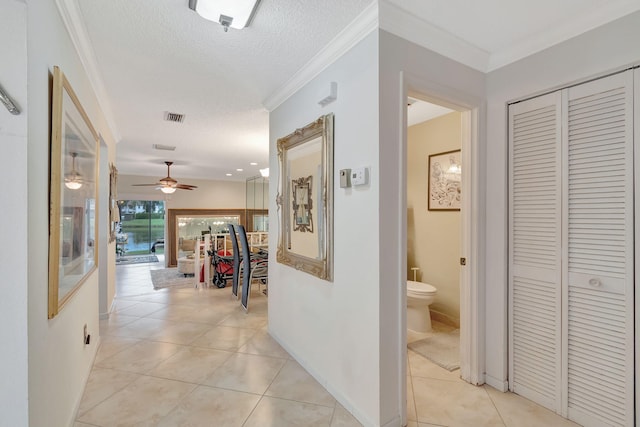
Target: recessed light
239 170
229 174
253 164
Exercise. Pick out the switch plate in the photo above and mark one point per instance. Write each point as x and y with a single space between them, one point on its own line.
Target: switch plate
360 176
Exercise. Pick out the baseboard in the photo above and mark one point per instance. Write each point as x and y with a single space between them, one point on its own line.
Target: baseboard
500 385
104 316
394 422
443 318
86 380
330 388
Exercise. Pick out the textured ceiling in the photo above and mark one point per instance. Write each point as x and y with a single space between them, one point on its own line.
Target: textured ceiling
158 55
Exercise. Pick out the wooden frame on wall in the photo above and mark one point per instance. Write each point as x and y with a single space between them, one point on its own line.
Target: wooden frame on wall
444 181
73 195
114 210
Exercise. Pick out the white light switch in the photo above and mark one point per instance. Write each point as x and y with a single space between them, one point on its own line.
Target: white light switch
359 176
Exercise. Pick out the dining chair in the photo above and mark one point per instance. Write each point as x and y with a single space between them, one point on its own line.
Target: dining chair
236 261
254 267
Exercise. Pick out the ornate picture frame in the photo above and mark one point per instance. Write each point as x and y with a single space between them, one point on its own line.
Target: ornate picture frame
305 215
302 204
73 195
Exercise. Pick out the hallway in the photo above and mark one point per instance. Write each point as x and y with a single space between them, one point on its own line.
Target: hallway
189 356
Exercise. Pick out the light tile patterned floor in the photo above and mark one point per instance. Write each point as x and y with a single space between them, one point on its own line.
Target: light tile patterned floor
192 357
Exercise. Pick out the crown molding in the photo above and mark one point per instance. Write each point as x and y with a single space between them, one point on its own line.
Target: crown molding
398 21
579 24
358 29
72 19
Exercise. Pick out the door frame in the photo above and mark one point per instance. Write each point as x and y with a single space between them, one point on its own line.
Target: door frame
472 309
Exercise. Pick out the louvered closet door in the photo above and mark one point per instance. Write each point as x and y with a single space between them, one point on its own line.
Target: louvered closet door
599 299
535 255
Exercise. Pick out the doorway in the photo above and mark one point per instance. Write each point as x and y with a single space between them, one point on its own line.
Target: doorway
434 231
471 310
141 229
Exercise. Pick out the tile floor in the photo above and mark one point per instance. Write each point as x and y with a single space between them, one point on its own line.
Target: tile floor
192 357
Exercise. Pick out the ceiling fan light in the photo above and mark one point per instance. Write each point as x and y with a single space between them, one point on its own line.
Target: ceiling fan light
72 185
168 190
73 179
229 13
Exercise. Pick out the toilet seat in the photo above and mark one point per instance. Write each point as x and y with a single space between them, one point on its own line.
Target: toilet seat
419 289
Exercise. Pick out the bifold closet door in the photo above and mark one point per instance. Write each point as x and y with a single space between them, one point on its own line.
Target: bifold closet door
598 297
571 238
535 272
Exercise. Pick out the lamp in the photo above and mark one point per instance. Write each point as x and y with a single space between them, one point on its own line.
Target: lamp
229 13
168 190
73 179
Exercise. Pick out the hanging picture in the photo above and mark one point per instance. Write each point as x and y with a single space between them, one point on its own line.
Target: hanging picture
114 211
444 181
302 204
73 195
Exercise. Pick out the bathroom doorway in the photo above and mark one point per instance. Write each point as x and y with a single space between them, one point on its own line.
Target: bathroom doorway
462 305
441 236
434 201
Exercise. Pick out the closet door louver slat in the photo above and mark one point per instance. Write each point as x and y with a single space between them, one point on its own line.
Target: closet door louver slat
599 222
535 273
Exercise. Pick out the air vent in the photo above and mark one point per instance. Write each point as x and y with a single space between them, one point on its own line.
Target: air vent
164 147
173 117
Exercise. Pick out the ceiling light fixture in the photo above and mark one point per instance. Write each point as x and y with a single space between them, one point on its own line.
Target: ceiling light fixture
228 13
73 179
168 190
264 172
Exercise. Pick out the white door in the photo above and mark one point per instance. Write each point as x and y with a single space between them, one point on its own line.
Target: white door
598 216
571 251
535 249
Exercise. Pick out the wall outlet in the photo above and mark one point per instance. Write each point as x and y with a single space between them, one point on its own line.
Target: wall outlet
360 176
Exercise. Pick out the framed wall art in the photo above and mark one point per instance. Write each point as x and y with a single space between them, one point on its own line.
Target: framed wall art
444 181
302 204
73 195
114 211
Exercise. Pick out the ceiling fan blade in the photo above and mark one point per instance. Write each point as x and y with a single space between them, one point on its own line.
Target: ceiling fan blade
167 182
185 186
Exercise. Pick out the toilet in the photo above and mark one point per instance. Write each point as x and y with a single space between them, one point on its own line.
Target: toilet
419 297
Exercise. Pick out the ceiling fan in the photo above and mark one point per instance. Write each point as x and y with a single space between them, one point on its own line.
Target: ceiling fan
167 184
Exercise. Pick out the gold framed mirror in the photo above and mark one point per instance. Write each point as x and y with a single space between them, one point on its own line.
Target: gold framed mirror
305 199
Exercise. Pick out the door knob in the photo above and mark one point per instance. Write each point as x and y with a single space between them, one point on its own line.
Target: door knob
595 282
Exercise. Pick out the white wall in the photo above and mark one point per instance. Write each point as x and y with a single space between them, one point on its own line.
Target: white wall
607 48
13 221
433 237
332 328
208 195
59 362
406 66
